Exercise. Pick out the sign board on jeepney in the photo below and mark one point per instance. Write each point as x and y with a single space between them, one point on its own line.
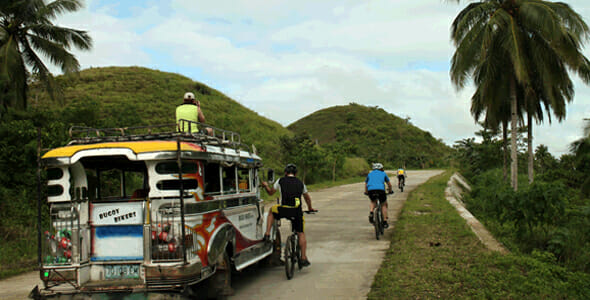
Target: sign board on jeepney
117 213
117 231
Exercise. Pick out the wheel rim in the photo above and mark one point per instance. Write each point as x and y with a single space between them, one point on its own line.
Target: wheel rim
298 252
289 258
377 221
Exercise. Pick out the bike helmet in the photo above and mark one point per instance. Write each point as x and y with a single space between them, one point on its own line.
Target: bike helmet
377 166
291 169
189 96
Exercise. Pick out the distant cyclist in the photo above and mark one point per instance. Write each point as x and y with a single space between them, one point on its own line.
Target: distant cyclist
401 176
375 188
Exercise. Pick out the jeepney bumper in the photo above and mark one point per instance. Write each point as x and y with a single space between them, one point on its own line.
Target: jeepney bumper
158 282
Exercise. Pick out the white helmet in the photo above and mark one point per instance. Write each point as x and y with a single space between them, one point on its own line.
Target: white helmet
189 95
377 166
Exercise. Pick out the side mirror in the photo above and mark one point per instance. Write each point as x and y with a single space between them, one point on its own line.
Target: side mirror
270 175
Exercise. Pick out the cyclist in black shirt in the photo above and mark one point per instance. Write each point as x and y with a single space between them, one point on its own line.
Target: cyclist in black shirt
290 189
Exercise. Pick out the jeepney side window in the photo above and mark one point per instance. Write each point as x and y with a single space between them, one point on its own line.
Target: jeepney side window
54 187
171 167
244 180
229 179
212 179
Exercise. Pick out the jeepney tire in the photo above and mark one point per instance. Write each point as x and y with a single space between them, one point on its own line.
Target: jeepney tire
219 286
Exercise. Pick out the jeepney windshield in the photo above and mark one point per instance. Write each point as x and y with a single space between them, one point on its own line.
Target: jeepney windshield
115 178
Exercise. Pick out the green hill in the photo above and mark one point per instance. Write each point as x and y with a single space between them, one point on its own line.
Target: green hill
376 135
133 96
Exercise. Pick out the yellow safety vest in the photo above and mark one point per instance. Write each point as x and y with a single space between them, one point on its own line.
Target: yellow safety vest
188 112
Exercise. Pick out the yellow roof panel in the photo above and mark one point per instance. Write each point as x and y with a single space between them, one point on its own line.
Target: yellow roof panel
136 147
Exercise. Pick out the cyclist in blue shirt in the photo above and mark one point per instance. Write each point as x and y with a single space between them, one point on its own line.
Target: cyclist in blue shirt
375 188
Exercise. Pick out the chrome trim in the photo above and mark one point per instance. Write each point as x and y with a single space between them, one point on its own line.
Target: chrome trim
252 255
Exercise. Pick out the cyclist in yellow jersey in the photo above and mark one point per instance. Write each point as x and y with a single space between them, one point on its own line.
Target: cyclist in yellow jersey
401 175
190 110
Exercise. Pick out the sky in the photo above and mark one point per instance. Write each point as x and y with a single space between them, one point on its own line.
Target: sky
288 59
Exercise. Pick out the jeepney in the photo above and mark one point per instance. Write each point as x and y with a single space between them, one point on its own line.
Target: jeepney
149 209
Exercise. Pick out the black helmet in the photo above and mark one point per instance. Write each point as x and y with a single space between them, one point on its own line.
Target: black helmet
291 169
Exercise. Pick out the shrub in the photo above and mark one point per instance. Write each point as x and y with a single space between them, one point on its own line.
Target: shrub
354 166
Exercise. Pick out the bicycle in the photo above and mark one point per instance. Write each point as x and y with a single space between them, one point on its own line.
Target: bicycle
378 217
293 251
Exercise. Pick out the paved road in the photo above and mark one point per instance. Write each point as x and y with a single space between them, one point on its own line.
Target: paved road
342 249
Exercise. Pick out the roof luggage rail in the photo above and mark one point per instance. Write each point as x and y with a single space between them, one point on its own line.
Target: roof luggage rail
220 137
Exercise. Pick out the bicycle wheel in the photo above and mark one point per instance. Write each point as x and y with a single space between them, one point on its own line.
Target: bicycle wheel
290 257
381 227
377 222
298 255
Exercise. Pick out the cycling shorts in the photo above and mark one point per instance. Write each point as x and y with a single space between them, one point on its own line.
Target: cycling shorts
401 177
294 214
378 194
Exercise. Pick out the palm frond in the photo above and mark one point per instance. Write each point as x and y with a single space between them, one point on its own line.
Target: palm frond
56 53
39 68
66 36
474 14
58 7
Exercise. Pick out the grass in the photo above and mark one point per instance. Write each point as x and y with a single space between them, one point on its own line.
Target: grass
434 254
18 256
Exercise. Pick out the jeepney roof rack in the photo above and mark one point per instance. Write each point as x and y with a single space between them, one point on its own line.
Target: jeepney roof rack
80 135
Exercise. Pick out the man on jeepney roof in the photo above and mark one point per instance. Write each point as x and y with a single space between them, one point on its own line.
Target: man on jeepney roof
190 110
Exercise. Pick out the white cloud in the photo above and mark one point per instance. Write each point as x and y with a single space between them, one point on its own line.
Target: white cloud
287 59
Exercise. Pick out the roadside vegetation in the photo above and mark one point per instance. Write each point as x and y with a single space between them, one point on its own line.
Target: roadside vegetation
550 215
435 255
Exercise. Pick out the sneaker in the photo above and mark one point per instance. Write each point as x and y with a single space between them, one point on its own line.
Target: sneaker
305 263
385 224
371 217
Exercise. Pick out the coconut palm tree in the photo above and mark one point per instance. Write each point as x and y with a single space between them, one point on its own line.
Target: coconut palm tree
26 30
490 100
524 41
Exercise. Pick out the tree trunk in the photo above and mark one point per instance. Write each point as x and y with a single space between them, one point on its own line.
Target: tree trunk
514 130
530 147
505 148
334 171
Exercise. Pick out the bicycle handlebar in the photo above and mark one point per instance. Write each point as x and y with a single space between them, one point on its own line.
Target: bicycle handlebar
311 211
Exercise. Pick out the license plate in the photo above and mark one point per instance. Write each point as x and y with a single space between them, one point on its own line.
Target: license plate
121 271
